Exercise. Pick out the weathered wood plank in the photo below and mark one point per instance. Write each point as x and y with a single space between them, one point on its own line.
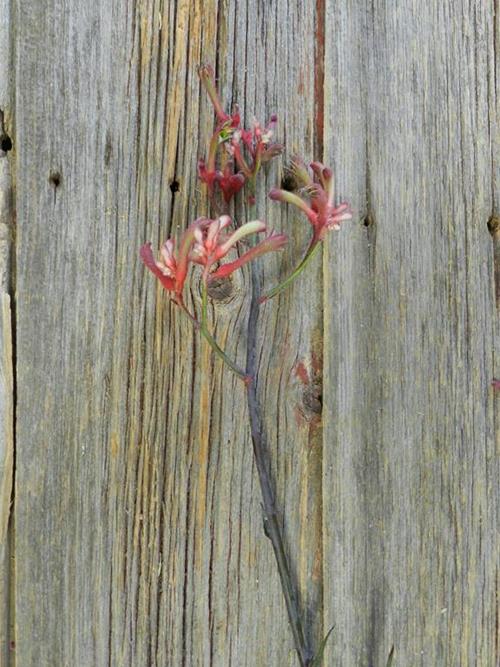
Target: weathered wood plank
139 537
411 473
6 357
137 510
6 470
6 403
6 360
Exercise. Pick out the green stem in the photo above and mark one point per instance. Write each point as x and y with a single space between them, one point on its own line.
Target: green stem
212 151
180 302
311 252
212 342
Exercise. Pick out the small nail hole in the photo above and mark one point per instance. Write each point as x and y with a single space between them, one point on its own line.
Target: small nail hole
6 143
289 183
55 178
175 186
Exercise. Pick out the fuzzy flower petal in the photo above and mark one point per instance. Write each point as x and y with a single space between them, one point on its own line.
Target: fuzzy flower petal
272 242
173 266
317 196
292 198
249 228
146 254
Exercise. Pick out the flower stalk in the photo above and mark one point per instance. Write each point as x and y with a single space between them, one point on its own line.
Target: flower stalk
206 242
311 252
213 343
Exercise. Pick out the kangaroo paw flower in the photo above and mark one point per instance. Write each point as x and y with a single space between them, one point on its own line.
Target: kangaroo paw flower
316 197
212 242
272 242
172 266
207 78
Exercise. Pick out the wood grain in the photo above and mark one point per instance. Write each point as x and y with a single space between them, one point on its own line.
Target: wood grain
134 458
6 351
6 405
137 512
6 471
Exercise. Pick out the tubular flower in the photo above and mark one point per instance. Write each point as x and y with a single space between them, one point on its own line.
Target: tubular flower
226 125
172 267
258 144
207 78
164 273
207 175
229 182
207 171
212 243
319 191
272 242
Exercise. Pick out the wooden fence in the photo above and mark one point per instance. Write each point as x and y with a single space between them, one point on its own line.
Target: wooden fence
130 524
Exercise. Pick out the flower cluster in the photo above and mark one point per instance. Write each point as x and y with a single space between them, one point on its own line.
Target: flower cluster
245 149
229 182
317 200
206 242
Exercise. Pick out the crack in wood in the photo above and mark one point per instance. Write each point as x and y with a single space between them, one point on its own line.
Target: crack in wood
494 229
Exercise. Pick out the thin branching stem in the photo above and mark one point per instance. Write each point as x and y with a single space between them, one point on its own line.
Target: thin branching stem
311 252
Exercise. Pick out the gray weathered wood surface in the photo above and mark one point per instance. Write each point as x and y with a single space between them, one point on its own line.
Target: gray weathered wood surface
6 352
411 460
138 538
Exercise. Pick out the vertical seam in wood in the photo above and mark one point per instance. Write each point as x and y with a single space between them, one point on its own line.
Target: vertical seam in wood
319 92
319 78
494 221
7 351
494 228
10 220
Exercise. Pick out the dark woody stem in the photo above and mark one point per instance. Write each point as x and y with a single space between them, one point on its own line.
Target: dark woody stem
272 525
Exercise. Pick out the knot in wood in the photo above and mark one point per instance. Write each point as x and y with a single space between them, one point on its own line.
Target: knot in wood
312 398
494 225
221 289
55 178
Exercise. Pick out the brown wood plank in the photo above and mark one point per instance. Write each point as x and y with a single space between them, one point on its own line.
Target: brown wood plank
6 354
410 466
6 471
6 406
137 510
